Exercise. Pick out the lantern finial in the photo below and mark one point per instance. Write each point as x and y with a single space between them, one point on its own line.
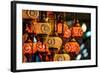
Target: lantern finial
73 40
77 23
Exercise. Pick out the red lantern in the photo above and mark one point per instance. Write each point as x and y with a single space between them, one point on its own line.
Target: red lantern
50 14
77 30
72 47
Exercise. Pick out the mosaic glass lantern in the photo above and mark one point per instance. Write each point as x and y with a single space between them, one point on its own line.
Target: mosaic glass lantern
61 57
72 47
27 47
77 31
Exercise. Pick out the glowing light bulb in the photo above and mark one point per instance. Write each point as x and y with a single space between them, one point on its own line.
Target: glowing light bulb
35 40
88 34
82 46
85 55
84 27
84 51
78 57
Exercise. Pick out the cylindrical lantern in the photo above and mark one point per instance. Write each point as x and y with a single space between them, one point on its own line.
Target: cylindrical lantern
30 14
41 28
59 28
61 57
54 42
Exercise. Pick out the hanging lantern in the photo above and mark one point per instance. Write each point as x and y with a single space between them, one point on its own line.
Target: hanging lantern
54 42
67 32
50 14
30 14
63 28
77 31
61 57
24 37
72 47
51 19
29 28
59 24
40 47
59 28
27 47
42 28
24 59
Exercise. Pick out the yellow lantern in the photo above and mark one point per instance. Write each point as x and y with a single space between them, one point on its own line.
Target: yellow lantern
30 14
61 57
41 28
55 42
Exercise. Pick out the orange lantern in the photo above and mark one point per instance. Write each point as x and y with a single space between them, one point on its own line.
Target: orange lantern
30 14
29 28
72 47
67 32
59 28
24 59
77 30
63 28
24 37
40 47
27 47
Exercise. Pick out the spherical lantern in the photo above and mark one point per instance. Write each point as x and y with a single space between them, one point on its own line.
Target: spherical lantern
27 47
72 47
77 31
40 47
